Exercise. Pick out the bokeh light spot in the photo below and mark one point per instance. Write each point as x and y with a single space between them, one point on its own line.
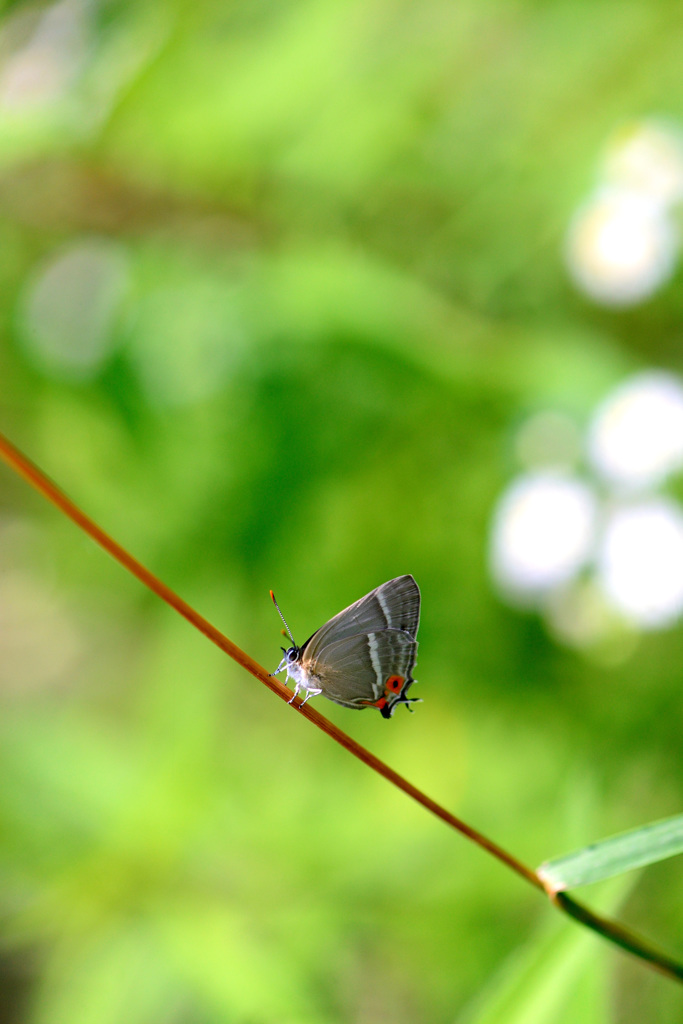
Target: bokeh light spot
70 308
46 53
543 532
640 563
636 438
622 246
548 439
647 158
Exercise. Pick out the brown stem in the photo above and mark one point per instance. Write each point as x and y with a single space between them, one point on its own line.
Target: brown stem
37 479
609 929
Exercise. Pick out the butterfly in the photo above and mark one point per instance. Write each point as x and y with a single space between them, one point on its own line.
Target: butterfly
365 655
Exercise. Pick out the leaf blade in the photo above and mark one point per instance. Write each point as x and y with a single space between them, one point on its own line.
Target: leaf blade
615 855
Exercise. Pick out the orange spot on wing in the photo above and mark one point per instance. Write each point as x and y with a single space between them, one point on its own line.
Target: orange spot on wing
394 684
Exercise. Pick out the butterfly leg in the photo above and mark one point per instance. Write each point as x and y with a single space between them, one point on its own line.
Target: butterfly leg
281 666
295 694
309 694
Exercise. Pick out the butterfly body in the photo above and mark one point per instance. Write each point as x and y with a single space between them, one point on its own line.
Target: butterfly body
364 656
303 677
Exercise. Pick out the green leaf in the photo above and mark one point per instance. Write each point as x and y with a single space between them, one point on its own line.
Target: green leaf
557 978
613 856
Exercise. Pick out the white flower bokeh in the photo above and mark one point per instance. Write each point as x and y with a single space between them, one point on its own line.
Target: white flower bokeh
621 247
640 562
600 554
623 242
636 437
543 533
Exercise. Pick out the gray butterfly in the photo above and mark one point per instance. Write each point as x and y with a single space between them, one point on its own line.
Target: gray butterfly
365 655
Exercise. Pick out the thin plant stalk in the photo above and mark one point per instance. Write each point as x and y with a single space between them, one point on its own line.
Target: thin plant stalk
610 930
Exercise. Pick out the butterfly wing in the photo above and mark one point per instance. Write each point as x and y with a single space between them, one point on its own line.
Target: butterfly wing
373 668
394 605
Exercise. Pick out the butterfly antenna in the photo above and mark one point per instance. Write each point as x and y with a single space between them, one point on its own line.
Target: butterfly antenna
289 633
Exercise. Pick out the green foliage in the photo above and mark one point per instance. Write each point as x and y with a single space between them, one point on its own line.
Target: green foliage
559 979
336 232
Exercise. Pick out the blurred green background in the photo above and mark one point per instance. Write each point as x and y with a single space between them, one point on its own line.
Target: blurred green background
278 283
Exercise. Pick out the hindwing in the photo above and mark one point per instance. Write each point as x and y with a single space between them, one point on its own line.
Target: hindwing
365 668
